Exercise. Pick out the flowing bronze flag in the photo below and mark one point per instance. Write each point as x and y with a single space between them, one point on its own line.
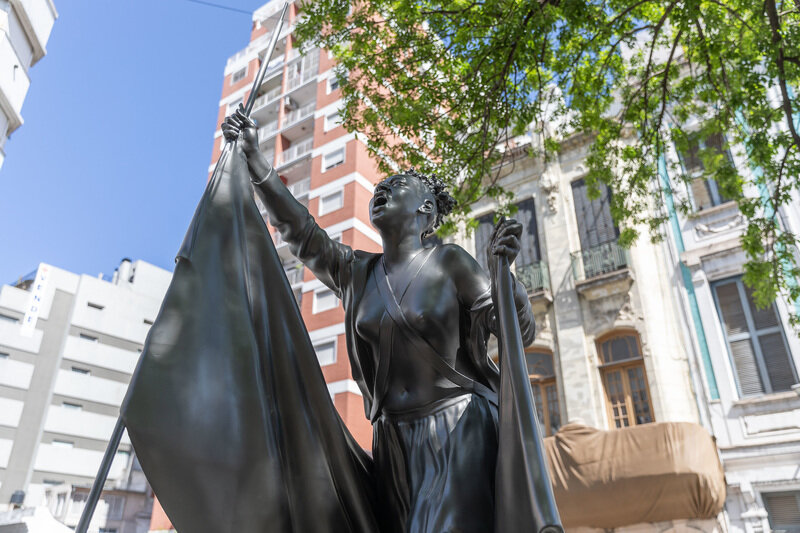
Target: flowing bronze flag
228 410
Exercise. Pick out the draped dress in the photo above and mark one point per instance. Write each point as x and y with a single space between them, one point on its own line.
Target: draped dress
434 465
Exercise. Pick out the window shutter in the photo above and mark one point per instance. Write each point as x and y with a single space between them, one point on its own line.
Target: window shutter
482 234
529 250
701 194
730 305
776 359
763 318
595 224
746 368
783 509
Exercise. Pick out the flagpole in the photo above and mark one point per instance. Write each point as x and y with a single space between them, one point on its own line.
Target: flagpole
119 427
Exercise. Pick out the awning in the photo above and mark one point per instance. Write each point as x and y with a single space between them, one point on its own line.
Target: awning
648 473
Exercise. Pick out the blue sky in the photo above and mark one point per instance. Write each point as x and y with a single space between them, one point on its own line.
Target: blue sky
119 121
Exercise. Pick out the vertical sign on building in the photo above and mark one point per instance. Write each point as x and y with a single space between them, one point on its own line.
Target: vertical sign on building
34 306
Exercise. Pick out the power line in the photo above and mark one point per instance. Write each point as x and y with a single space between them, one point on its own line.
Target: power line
219 6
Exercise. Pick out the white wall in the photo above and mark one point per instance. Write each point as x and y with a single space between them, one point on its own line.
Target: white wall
76 461
91 388
15 374
99 354
67 421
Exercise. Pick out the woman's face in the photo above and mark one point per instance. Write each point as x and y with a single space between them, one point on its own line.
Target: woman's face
396 201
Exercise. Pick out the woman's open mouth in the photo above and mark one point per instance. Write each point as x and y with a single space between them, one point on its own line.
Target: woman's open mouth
380 201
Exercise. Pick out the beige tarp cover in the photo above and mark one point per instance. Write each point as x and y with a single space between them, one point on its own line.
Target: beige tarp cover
647 473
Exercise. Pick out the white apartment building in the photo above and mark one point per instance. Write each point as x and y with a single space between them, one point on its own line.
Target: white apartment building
25 26
68 346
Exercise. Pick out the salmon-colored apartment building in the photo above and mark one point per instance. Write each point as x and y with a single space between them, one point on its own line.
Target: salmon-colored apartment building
324 166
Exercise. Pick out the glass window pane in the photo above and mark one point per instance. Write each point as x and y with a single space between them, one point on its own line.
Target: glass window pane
620 348
744 361
641 402
616 398
552 408
540 365
730 305
776 358
537 400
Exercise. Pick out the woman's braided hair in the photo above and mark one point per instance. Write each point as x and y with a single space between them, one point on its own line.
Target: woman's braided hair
444 201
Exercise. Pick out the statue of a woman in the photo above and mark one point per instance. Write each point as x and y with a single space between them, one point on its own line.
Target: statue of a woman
417 319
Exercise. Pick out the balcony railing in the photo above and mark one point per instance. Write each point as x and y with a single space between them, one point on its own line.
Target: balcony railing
266 98
297 80
298 114
294 274
534 276
299 190
294 152
599 260
266 131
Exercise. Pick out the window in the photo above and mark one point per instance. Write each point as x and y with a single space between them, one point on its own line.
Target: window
108 529
331 202
95 306
11 319
75 406
482 235
756 341
545 393
63 443
324 299
79 370
783 510
4 355
595 224
704 191
116 504
332 120
52 481
88 337
624 379
233 105
529 251
333 84
238 75
333 159
326 352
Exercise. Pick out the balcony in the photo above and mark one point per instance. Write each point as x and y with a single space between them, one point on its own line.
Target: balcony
267 130
273 67
266 98
300 190
602 270
298 114
534 276
297 80
294 274
295 152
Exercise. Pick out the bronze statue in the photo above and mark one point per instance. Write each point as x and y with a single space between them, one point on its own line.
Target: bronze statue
430 393
228 410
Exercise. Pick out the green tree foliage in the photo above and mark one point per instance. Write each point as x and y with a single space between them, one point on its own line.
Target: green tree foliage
445 86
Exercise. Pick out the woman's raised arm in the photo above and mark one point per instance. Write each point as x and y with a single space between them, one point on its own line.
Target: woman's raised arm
307 241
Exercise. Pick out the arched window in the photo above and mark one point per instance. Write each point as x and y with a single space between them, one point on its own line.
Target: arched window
545 393
624 378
